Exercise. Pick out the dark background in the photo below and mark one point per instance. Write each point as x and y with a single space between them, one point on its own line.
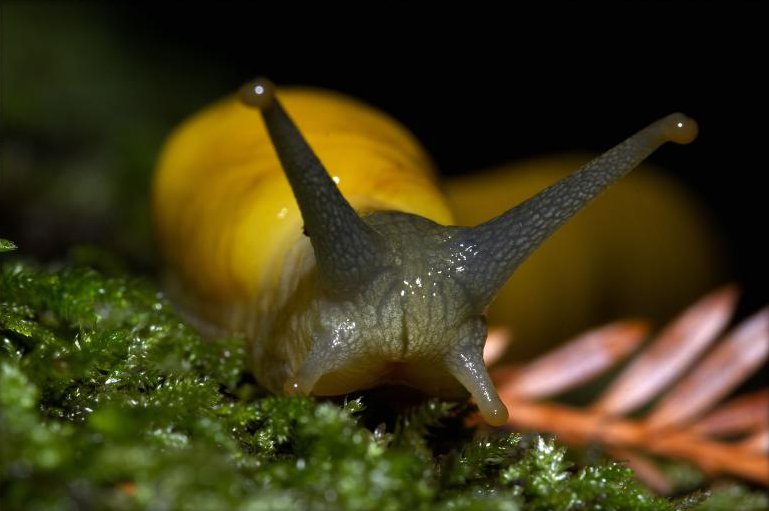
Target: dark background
89 91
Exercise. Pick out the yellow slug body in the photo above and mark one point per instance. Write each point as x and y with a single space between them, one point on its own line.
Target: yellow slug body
226 221
319 232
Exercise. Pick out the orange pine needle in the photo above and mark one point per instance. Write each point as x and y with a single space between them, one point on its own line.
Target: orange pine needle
742 414
758 442
576 362
497 341
674 350
730 363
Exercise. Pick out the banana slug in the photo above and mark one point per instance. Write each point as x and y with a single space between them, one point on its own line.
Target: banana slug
349 278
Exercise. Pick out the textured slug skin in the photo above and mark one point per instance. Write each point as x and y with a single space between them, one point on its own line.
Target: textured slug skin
226 221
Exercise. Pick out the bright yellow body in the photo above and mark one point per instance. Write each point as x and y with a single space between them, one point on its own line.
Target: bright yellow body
226 221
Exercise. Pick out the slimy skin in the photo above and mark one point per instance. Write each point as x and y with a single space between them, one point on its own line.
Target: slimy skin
383 292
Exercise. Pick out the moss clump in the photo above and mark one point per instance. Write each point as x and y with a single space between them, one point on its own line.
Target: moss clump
6 246
109 401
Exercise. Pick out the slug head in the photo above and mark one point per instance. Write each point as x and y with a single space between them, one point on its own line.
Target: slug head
400 299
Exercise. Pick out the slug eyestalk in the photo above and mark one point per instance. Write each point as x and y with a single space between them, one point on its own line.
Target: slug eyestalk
345 247
503 243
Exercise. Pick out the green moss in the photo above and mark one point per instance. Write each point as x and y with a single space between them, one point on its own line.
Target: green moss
6 246
734 498
109 401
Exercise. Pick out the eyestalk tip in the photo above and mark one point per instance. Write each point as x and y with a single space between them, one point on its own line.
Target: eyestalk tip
679 128
257 93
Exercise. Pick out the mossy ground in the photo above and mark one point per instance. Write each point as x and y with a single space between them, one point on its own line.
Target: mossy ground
109 401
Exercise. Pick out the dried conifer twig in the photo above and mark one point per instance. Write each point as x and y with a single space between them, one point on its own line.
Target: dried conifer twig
687 422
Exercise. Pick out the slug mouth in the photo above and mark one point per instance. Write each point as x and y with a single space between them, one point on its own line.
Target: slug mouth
425 376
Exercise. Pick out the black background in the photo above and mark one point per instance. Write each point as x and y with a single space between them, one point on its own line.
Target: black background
482 86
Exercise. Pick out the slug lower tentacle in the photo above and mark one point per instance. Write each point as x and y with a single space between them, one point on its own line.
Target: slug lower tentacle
385 291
